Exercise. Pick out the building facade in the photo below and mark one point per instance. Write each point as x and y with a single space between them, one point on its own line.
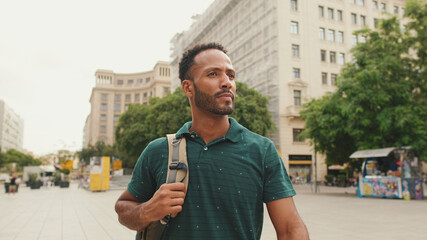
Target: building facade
11 129
113 93
289 50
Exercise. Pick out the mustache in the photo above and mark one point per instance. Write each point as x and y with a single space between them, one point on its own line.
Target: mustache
225 91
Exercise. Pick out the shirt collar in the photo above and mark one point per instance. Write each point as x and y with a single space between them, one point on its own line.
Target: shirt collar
234 132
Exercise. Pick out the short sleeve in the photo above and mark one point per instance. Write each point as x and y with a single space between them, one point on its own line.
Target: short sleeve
142 184
277 184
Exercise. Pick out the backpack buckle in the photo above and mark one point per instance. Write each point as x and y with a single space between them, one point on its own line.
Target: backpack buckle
177 166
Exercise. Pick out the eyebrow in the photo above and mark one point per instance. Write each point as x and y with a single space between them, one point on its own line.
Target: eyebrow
219 69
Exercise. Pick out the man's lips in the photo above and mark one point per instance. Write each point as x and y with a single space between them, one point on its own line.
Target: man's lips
227 94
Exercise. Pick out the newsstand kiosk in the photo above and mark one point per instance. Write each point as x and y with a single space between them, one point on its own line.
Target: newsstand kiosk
390 173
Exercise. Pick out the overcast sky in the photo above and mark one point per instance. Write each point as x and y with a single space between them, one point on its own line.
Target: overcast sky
50 50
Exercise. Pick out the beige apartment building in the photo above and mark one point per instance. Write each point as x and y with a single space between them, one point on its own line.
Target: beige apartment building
114 92
11 128
289 50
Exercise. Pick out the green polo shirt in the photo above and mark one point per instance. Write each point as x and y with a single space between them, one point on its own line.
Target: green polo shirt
230 179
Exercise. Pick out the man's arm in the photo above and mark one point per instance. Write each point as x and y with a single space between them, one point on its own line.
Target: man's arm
286 220
168 199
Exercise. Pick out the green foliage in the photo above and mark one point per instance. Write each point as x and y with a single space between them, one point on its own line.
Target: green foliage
100 149
381 100
141 124
65 171
33 178
21 159
251 110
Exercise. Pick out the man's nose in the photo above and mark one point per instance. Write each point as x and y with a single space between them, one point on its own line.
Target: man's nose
225 82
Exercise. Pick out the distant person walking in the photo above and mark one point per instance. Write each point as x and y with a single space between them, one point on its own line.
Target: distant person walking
12 185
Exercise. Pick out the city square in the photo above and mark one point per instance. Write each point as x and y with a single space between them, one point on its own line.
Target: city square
333 213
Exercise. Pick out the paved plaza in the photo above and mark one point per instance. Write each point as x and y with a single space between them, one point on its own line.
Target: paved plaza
334 213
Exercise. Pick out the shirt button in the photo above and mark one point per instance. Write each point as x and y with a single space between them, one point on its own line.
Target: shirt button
192 136
206 148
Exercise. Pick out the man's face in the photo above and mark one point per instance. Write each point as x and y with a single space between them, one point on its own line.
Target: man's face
213 81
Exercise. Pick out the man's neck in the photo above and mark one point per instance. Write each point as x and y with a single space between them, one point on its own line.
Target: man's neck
210 127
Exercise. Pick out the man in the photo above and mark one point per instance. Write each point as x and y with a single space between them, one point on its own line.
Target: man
232 170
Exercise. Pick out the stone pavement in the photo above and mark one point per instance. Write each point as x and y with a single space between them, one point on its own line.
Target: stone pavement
334 213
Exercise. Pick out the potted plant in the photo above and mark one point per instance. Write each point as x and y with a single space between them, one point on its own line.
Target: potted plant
56 178
34 181
65 182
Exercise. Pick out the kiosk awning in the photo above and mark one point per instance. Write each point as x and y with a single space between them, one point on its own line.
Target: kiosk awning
381 152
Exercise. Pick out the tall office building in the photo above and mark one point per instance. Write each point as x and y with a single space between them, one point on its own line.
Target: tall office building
290 51
113 93
11 128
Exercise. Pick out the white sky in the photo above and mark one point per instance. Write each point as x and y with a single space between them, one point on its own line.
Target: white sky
50 50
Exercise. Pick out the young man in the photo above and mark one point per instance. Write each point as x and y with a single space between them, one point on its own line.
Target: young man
232 170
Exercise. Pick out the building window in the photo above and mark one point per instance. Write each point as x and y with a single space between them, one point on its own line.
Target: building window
130 82
352 1
117 97
333 79
321 11
165 89
127 97
119 82
331 35
361 2
126 107
339 13
294 27
396 9
297 97
103 128
147 80
139 80
116 118
332 57
362 39
362 20
322 33
145 95
353 18
294 5
117 107
354 40
341 58
295 50
104 106
296 72
323 55
330 13
324 78
375 22
296 134
104 96
340 37
383 7
137 96
375 4
103 117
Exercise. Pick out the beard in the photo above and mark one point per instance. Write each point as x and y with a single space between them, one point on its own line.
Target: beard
208 102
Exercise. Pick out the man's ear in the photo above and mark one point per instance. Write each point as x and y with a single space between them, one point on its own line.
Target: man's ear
187 87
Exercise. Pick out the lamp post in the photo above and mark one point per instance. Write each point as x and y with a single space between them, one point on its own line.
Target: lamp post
315 169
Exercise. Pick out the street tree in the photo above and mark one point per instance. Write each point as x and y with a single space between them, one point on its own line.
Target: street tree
141 124
380 99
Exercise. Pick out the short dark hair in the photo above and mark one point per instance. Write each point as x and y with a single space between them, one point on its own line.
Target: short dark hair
187 60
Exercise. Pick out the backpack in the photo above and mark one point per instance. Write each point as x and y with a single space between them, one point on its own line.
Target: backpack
177 171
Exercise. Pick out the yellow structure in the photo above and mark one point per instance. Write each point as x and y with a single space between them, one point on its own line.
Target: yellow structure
67 164
99 173
117 165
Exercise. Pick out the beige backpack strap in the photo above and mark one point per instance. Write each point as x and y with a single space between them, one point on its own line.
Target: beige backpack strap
177 162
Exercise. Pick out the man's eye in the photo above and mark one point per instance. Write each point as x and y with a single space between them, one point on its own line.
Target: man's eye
212 74
231 76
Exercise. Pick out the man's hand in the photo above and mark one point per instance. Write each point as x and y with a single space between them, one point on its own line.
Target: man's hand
168 199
